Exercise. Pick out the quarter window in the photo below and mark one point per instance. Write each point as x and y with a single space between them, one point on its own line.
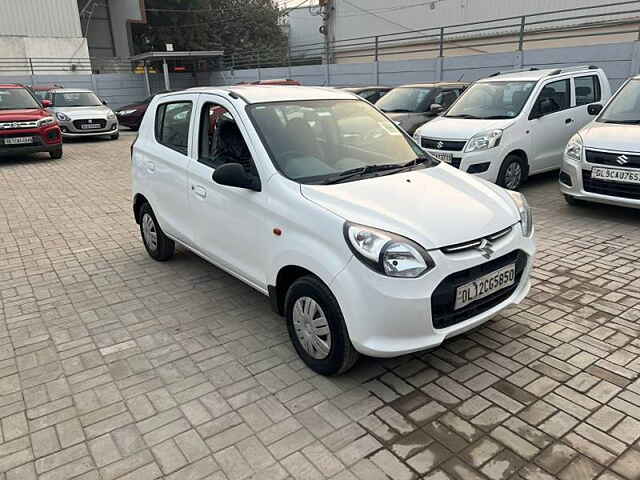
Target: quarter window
172 125
587 89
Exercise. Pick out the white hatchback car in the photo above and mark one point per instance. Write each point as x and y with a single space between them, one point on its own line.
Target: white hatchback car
602 161
315 198
511 125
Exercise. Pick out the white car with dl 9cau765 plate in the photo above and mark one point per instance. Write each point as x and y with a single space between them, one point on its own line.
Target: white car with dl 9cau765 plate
365 243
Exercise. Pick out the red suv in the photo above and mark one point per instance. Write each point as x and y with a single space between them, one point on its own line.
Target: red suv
25 124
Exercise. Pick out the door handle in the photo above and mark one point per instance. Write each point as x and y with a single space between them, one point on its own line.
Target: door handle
568 120
151 167
199 191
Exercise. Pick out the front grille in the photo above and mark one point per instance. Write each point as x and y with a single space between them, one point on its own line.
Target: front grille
447 145
78 123
12 125
444 296
461 247
613 189
613 159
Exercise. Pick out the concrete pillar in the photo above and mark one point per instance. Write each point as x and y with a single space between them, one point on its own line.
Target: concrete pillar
439 74
165 68
518 59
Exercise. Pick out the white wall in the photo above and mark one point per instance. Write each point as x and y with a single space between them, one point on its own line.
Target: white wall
39 18
304 27
394 16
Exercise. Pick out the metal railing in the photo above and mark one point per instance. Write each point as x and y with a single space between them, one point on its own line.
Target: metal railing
502 34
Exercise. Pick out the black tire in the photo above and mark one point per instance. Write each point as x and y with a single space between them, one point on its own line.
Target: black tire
56 154
342 356
505 179
115 136
164 246
573 201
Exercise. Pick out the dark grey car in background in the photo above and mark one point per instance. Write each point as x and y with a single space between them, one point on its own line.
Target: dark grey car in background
411 106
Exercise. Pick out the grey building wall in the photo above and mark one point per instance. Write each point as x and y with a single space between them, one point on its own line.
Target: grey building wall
304 27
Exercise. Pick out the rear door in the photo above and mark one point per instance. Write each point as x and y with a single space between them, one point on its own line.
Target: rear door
165 160
587 90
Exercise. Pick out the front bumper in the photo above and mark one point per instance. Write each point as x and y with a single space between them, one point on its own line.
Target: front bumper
387 317
574 170
70 130
46 139
484 163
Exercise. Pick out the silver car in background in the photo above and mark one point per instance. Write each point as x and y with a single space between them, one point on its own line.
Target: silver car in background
80 113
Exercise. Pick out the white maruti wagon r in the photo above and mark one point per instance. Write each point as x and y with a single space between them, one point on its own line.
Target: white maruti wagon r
315 198
511 125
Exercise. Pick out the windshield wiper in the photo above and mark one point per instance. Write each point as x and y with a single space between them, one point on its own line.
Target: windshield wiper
361 171
464 115
623 122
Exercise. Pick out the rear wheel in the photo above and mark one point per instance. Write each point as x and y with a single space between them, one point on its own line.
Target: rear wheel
316 327
512 172
158 245
56 154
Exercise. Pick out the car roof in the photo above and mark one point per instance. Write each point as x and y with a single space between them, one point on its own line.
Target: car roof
71 90
434 84
535 75
274 93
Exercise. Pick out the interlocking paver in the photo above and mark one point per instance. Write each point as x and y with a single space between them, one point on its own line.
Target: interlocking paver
113 366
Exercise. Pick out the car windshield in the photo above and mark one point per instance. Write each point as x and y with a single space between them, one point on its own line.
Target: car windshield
324 141
16 99
489 100
406 100
76 99
625 106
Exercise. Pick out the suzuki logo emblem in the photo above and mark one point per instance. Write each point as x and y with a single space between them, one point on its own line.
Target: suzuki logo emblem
89 121
485 248
440 145
15 124
622 160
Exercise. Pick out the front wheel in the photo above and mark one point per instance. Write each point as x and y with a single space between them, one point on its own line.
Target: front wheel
158 245
512 173
56 154
316 327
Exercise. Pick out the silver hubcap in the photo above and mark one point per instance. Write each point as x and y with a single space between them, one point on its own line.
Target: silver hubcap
311 327
149 232
513 175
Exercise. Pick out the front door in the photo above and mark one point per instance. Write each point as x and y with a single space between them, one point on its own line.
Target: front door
551 131
230 221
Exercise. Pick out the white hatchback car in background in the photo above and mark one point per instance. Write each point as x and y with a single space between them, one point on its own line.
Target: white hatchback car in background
602 161
511 125
316 199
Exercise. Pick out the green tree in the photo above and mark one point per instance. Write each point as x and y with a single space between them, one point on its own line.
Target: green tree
236 26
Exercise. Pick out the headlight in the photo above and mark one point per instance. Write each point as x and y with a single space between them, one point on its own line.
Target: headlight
62 117
111 116
387 253
574 148
46 121
484 141
126 112
526 217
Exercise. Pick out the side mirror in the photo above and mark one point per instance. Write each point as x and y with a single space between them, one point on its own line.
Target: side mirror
594 109
234 175
436 109
47 103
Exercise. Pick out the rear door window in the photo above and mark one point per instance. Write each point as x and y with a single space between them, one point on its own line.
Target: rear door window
172 125
587 89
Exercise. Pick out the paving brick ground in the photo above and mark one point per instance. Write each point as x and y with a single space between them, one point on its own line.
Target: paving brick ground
113 366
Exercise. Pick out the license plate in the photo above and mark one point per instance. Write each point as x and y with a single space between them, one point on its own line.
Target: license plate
18 140
89 126
620 175
484 286
442 156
